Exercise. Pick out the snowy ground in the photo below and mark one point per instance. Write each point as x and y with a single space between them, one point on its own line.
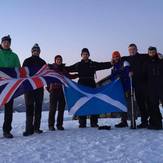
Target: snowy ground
76 145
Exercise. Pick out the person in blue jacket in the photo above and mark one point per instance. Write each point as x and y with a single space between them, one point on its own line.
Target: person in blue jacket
121 70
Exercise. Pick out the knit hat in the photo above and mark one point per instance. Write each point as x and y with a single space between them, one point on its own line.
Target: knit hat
58 56
116 54
152 48
132 45
6 38
85 50
36 47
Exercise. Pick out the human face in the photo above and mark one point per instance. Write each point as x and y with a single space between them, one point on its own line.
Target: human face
116 59
58 61
85 56
132 50
36 52
152 53
6 44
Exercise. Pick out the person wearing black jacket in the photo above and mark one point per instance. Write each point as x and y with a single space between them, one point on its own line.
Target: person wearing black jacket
86 69
137 61
34 99
153 70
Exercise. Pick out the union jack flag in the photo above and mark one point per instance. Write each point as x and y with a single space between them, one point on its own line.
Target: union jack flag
16 81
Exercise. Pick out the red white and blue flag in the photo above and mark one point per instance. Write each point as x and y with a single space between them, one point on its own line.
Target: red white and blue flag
17 81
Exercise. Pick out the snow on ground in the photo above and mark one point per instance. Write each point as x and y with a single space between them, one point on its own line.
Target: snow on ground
76 145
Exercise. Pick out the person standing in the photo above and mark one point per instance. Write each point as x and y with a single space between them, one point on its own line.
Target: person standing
34 99
136 61
153 70
8 59
57 99
121 71
86 70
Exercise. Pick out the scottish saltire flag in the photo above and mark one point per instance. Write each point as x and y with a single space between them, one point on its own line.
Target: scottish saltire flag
83 100
16 81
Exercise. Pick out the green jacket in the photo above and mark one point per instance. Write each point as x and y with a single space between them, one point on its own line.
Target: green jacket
8 59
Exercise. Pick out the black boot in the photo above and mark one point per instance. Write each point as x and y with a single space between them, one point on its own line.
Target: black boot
60 128
122 124
151 127
155 126
94 125
82 126
27 133
51 128
8 135
38 131
142 125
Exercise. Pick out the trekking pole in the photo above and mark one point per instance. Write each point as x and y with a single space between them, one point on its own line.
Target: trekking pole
133 121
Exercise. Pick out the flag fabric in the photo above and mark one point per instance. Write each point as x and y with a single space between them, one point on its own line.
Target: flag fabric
17 81
80 100
83 100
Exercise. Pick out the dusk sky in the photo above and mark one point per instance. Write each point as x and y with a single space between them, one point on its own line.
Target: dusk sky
66 26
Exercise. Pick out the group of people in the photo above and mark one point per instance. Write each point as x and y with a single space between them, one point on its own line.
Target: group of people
146 70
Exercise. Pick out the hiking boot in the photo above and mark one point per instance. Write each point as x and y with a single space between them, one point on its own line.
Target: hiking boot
121 124
27 133
82 126
95 125
38 131
154 127
51 128
142 125
8 135
104 127
60 128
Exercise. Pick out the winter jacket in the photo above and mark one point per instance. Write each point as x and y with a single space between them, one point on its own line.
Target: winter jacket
34 61
87 70
153 72
137 63
119 71
57 87
8 59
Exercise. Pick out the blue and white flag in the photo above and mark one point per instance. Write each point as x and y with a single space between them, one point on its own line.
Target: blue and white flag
83 100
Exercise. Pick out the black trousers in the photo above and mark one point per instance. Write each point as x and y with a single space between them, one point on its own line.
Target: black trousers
8 116
33 101
142 101
154 110
93 118
83 120
57 101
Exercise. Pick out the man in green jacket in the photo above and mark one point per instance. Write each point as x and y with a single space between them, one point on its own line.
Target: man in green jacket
8 59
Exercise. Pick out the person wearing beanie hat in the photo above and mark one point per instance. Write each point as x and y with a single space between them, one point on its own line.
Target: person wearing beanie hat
6 38
121 70
34 99
85 50
35 48
86 70
8 59
116 54
153 70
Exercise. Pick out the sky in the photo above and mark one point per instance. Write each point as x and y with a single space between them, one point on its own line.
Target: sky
66 26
